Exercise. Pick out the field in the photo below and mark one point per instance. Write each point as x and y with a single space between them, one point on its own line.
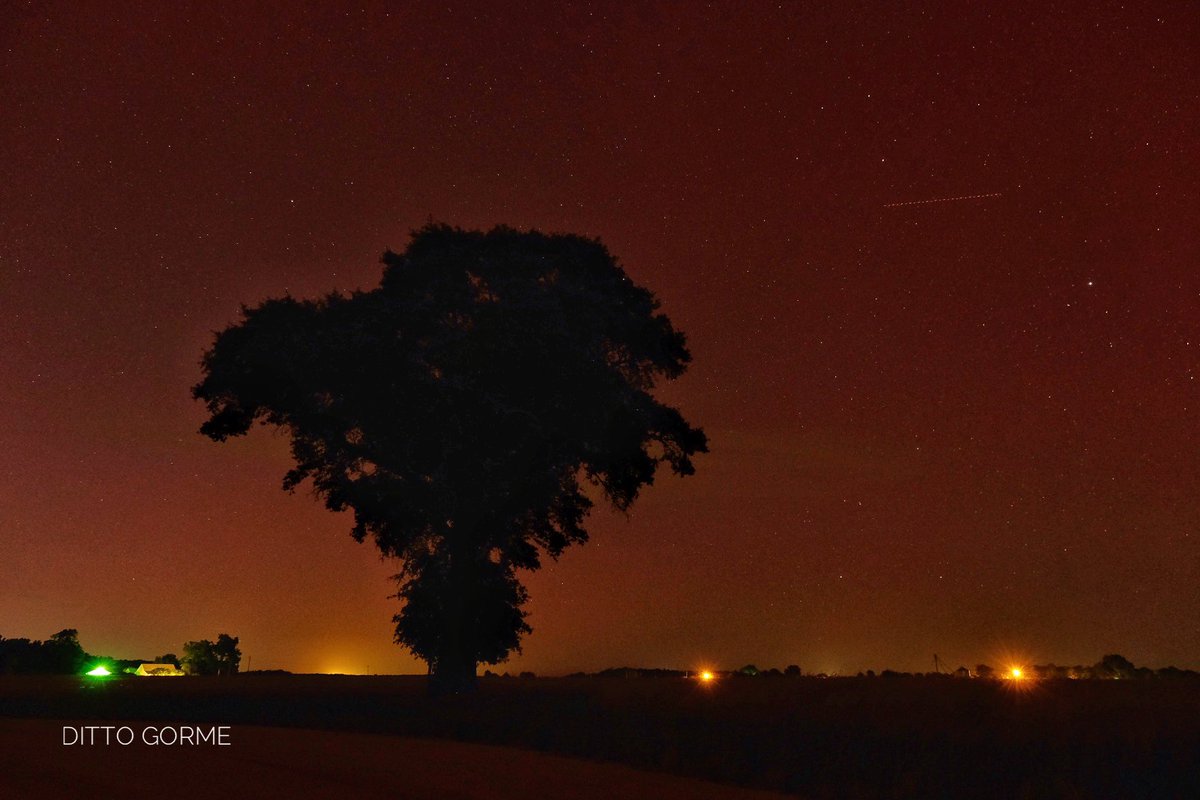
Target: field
835 738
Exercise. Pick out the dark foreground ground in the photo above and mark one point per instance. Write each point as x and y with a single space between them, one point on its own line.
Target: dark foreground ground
836 738
298 763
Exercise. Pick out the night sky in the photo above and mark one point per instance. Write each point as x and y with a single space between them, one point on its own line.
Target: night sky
965 427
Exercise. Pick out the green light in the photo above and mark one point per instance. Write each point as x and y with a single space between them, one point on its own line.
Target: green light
99 672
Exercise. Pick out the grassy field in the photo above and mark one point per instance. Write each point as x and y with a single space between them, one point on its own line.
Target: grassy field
835 738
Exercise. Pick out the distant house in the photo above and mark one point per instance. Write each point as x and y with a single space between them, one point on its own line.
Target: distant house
157 670
962 672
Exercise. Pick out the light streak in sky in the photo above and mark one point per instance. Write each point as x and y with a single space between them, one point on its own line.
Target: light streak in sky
941 200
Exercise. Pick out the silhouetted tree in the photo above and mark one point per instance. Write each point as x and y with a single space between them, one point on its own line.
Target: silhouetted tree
61 654
792 670
227 654
1175 673
19 656
1114 666
67 636
212 658
199 658
460 409
64 654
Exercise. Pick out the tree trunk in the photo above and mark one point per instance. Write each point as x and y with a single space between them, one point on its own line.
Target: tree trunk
453 672
453 676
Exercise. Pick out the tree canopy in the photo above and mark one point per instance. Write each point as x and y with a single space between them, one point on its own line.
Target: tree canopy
205 657
61 654
461 410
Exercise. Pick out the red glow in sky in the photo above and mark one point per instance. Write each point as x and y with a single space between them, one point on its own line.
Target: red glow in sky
961 427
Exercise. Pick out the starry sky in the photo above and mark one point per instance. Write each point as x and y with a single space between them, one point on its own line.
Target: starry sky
966 427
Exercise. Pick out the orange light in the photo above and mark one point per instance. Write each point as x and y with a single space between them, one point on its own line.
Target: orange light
1015 673
707 677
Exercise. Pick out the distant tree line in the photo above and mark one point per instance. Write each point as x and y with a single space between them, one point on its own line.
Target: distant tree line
58 655
487 673
1110 667
748 671
62 654
221 657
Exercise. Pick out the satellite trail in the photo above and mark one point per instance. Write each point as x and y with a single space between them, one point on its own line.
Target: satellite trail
941 200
